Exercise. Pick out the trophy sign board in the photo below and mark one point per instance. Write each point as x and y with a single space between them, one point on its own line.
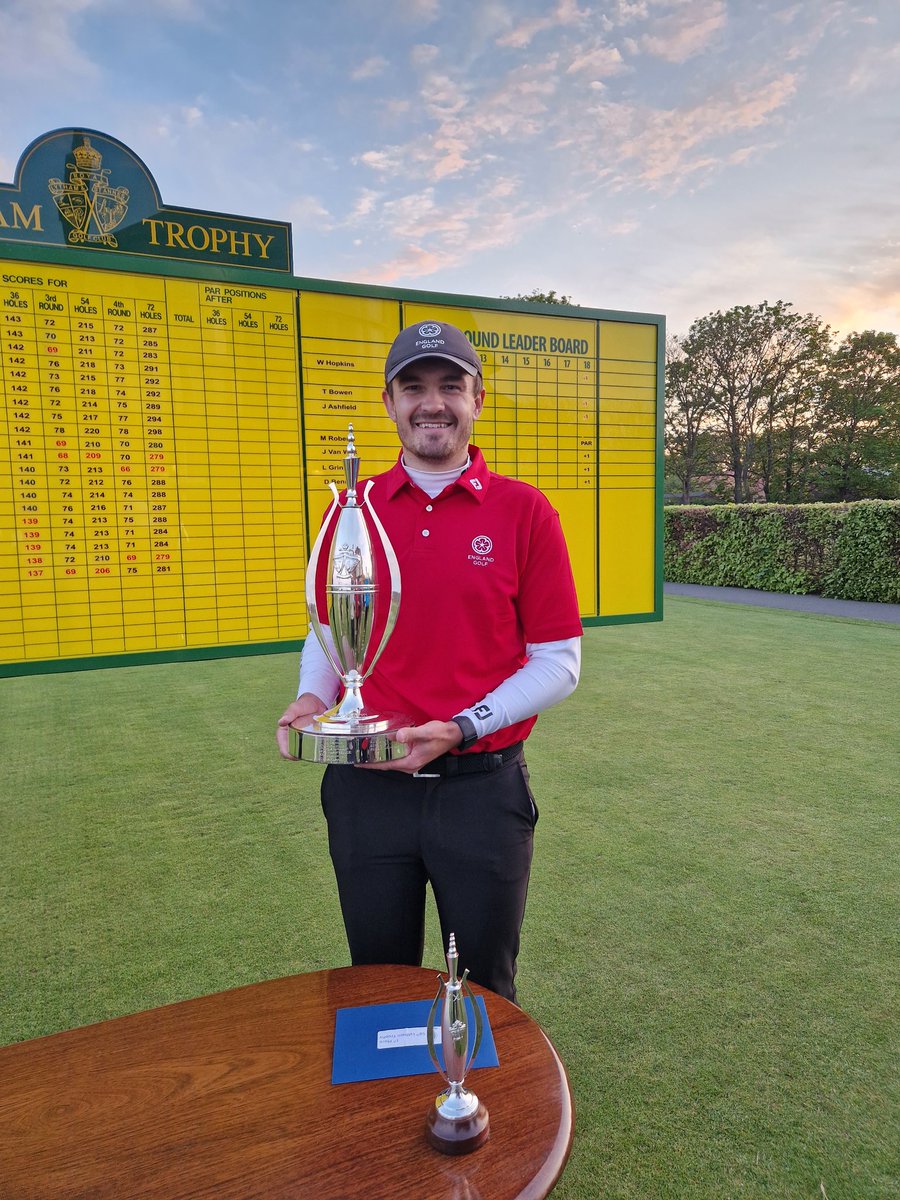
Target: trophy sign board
174 401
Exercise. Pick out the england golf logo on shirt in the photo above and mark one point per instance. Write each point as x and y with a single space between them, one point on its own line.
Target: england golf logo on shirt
482 547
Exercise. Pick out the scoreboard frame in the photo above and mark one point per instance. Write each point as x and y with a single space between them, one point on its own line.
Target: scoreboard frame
322 309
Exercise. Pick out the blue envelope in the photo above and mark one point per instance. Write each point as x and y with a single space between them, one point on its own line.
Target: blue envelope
385 1041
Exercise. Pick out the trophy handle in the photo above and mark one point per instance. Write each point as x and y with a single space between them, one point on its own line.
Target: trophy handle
394 568
312 571
429 1030
476 1013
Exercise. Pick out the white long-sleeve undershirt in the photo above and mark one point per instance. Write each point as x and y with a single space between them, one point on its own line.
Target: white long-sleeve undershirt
550 674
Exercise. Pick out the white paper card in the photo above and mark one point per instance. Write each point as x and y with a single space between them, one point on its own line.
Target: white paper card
392 1039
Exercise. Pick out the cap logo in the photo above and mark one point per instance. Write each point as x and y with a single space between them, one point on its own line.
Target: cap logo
429 330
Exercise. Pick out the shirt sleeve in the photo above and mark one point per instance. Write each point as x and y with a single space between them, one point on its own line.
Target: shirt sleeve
547 601
550 674
316 672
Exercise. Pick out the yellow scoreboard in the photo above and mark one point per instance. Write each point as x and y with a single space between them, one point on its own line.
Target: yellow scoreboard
572 407
170 420
155 480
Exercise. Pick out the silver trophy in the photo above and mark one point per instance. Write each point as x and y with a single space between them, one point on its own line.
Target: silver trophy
457 1121
350 732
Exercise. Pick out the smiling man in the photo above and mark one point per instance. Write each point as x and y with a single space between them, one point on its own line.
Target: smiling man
487 637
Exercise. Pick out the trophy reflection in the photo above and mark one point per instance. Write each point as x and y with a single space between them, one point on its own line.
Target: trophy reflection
457 1121
350 732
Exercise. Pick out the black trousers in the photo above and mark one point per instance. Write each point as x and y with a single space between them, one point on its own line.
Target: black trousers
469 836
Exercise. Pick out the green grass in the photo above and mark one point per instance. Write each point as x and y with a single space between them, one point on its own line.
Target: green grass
711 933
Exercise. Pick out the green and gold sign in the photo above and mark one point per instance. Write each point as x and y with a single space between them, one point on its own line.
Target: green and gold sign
81 188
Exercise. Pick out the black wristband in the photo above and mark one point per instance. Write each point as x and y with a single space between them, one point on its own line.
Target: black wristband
469 732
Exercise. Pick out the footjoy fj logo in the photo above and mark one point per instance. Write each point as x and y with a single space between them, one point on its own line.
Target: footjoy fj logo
482 545
429 330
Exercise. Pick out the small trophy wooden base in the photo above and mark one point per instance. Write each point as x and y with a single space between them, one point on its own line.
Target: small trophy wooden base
457 1135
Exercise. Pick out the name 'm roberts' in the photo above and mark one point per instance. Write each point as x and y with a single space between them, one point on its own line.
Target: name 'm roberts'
214 239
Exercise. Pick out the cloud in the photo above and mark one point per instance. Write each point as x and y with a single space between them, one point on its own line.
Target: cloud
864 307
443 95
806 26
466 120
743 270
435 236
423 54
369 69
413 262
744 154
185 10
309 211
861 287
876 67
384 162
685 32
445 151
466 127
663 147
566 13
421 10
625 12
364 205
520 106
38 39
599 60
395 108
452 157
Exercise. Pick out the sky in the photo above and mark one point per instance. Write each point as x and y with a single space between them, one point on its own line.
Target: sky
662 156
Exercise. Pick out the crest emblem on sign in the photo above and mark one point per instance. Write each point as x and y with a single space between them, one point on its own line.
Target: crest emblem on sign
87 200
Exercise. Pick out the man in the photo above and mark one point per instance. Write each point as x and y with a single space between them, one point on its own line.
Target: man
487 636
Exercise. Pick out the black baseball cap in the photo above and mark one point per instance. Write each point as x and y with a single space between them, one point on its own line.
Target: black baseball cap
430 339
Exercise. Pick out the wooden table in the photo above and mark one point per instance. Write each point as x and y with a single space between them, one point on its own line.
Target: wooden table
230 1096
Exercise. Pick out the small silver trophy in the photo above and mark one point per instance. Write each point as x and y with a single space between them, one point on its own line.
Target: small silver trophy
457 1121
350 732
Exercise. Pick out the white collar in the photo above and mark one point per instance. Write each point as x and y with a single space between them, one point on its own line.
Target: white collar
433 483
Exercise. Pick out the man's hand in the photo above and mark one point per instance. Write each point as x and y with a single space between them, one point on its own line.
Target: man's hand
425 743
296 714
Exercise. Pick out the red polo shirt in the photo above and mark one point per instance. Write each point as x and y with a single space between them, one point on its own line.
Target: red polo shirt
484 569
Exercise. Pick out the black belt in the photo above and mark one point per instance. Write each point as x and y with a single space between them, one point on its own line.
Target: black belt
450 765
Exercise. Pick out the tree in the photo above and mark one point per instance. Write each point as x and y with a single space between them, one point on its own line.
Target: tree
689 398
793 442
860 421
537 297
757 361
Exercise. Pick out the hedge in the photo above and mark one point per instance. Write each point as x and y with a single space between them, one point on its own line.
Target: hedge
846 551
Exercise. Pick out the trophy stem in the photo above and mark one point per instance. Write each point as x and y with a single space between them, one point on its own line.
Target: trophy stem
351 705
